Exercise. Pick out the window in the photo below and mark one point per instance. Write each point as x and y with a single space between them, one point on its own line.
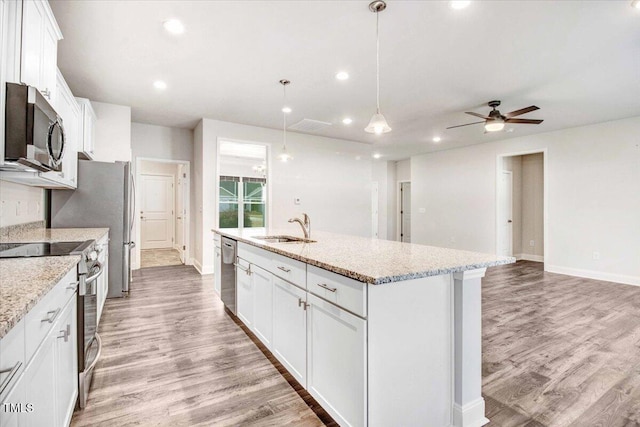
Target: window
242 201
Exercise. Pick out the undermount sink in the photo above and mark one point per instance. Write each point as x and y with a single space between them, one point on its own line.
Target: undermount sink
283 239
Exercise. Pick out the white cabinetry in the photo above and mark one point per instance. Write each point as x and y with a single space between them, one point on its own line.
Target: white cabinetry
217 264
244 293
290 328
337 361
40 35
45 391
262 304
88 125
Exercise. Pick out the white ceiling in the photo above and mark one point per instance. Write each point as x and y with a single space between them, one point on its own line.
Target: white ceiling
579 61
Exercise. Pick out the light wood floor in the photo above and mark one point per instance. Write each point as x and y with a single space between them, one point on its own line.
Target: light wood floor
559 350
159 257
172 357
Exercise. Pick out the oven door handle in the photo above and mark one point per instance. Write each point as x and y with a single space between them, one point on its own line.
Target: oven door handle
93 364
95 276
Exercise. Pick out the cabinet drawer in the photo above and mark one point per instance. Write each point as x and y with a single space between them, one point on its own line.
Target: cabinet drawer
12 361
342 291
216 240
40 318
289 269
254 255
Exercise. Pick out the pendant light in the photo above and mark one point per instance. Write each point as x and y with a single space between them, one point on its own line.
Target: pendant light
378 123
284 155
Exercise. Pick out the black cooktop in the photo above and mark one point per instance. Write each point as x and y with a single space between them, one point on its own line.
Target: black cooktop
21 250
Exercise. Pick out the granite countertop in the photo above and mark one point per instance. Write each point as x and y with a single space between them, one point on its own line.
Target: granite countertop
370 260
24 281
54 235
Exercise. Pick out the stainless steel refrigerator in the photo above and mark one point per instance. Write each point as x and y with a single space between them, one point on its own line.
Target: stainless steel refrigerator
105 197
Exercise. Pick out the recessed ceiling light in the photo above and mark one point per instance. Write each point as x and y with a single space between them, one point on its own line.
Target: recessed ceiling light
437 139
173 26
377 155
342 75
636 4
347 121
159 84
286 109
459 4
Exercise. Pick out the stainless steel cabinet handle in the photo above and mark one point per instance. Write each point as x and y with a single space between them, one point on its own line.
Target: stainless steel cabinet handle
51 316
323 286
12 373
246 270
286 270
299 302
65 333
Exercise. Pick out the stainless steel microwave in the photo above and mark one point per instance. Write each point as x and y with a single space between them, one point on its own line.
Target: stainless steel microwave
34 133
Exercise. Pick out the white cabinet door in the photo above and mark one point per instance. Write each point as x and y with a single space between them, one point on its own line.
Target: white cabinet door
102 282
262 304
244 293
217 283
40 386
33 18
86 146
49 63
13 405
69 110
66 363
337 361
290 329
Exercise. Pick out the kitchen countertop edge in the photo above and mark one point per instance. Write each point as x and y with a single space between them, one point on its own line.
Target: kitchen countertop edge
362 277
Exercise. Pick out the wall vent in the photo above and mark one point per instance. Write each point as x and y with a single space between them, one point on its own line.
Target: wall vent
308 125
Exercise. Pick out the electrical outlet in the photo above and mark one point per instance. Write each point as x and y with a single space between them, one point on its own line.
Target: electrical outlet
596 255
532 243
296 200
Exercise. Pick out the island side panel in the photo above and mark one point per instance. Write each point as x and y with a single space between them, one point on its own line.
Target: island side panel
468 408
410 327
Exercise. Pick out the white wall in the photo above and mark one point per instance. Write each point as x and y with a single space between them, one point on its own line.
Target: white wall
403 170
165 143
381 176
20 204
532 189
113 132
593 181
197 185
331 177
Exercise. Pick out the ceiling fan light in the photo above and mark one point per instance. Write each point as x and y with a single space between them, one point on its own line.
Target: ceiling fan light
494 125
378 125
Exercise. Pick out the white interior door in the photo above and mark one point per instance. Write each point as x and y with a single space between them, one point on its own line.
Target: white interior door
505 212
405 212
156 212
180 212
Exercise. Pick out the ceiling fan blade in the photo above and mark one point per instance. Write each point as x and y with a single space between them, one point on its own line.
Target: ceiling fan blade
524 121
521 111
477 115
459 126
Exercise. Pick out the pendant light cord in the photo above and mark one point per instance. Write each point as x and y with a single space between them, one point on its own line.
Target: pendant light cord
377 63
284 117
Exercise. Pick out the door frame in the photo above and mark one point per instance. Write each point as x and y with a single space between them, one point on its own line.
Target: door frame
267 145
545 197
174 214
187 204
399 208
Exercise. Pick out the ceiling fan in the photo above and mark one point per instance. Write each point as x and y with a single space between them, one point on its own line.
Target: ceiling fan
496 121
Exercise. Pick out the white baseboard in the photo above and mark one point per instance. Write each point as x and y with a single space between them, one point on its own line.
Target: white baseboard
596 275
470 415
203 270
529 257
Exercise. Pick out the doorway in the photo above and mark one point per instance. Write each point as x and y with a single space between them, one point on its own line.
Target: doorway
162 213
521 206
404 211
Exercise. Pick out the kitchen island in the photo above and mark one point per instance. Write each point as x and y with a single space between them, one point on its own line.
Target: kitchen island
379 332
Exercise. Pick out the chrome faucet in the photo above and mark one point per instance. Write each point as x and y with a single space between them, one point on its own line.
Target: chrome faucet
305 223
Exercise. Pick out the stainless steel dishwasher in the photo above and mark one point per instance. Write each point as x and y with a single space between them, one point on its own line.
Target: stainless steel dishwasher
228 274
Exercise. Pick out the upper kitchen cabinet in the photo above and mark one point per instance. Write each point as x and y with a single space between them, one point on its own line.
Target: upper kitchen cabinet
39 53
88 132
71 113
